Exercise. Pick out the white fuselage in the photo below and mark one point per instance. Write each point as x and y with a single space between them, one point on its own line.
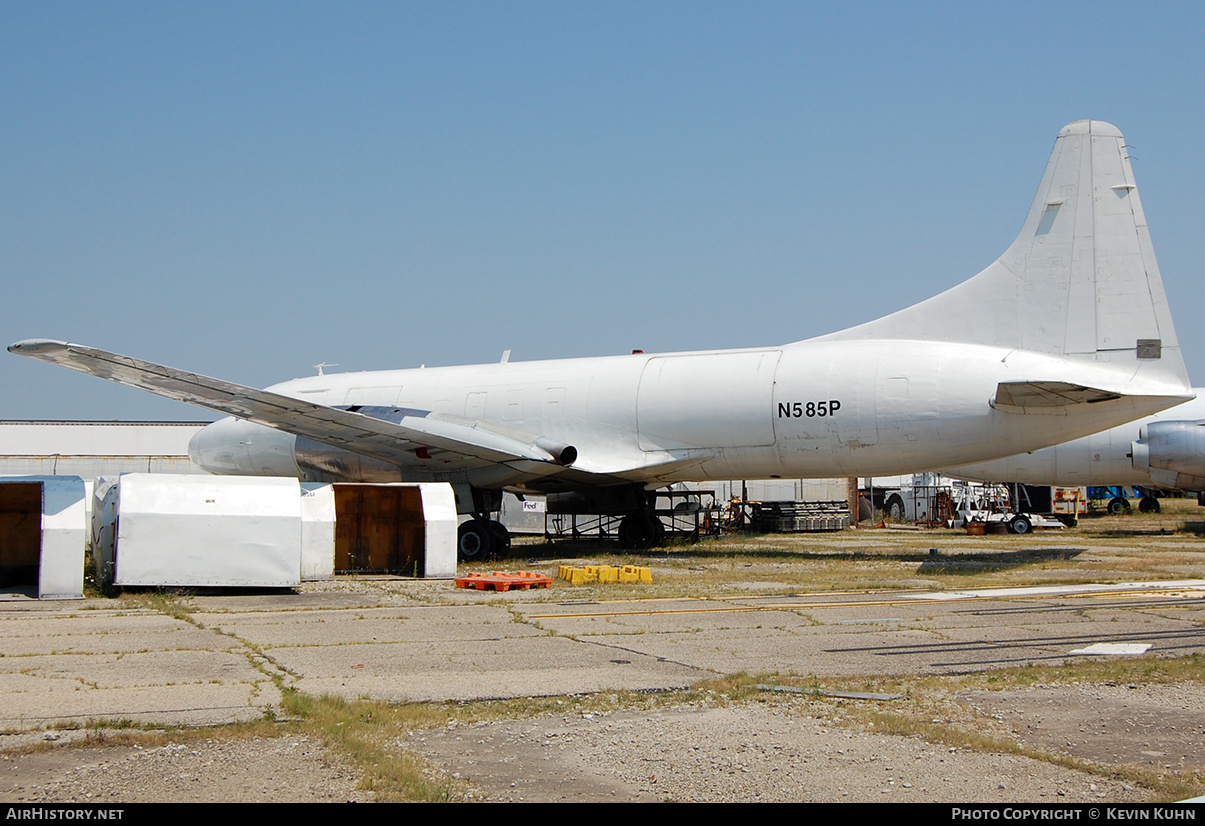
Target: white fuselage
808 409
1103 458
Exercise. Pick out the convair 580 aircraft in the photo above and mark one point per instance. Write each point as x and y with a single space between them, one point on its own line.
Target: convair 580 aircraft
1166 450
1066 334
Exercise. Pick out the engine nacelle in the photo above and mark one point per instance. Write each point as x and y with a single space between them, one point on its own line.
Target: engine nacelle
1172 453
235 447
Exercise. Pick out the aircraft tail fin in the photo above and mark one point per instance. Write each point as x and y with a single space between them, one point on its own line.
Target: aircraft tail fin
1079 281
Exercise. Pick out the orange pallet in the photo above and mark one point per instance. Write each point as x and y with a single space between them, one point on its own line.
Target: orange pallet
501 581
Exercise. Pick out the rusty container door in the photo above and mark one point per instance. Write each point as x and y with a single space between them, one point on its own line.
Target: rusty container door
379 529
20 533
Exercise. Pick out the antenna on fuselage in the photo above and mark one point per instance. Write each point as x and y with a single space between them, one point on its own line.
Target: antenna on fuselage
320 367
505 357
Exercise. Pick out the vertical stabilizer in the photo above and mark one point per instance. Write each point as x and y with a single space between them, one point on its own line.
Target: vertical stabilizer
1080 280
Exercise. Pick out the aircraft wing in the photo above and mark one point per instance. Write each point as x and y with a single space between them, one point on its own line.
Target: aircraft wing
391 434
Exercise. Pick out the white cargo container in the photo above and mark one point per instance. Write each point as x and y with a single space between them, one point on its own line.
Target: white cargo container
223 531
440 530
197 531
317 531
42 534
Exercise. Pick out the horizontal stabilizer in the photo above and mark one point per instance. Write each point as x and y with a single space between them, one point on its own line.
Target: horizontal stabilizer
389 434
1030 396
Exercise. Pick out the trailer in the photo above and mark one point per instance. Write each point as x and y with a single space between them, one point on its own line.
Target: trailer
1117 500
1006 521
930 498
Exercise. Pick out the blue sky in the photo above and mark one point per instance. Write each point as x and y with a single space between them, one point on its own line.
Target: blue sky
246 190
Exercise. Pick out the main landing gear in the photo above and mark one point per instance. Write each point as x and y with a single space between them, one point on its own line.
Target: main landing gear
481 538
641 530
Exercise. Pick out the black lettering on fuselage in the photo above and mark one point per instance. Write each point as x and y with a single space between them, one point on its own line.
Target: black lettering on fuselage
810 410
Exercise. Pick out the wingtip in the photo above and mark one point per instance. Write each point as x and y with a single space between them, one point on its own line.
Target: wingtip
36 346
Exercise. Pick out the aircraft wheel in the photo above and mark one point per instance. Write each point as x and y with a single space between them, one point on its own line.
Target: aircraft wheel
1020 524
658 530
1148 504
638 531
894 508
1118 505
475 541
501 537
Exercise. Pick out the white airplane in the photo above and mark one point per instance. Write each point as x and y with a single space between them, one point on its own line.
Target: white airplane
1066 334
1166 450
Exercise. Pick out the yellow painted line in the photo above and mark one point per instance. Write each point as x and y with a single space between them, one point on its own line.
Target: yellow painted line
1146 592
784 606
812 606
724 609
731 598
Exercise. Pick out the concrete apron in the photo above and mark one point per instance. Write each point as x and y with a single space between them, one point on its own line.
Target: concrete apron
68 663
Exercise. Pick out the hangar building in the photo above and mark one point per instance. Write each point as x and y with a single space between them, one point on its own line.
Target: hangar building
93 449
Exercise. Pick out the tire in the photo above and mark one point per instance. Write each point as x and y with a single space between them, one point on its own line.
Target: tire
1118 505
501 537
658 530
894 508
474 541
1148 504
640 531
1020 524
